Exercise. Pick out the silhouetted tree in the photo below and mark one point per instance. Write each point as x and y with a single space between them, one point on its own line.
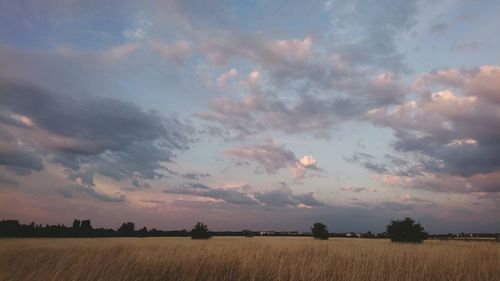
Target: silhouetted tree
320 231
127 229
76 224
9 228
406 230
247 233
200 231
86 228
143 232
86 225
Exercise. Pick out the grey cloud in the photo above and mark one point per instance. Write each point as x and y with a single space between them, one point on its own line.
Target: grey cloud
232 196
452 133
307 199
270 155
439 27
406 203
329 86
88 135
380 23
284 197
19 161
196 186
195 176
469 148
465 160
367 160
396 160
5 180
267 112
285 60
480 183
278 198
413 166
68 192
153 201
357 189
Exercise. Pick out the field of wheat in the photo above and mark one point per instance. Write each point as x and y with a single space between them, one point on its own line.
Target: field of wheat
258 258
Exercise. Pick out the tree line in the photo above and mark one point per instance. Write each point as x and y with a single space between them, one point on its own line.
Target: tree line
81 228
404 230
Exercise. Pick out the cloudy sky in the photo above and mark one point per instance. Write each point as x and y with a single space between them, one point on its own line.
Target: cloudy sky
251 114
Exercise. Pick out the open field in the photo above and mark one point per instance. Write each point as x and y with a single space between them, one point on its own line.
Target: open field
246 259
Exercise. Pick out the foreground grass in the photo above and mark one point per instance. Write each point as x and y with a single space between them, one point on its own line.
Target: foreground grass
246 259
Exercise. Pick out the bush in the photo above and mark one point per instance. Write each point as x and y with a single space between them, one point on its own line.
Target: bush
320 231
200 231
406 230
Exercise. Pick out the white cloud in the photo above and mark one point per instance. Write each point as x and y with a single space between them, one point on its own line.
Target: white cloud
225 77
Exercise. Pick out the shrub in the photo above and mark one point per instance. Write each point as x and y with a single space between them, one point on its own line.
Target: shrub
320 231
406 230
200 231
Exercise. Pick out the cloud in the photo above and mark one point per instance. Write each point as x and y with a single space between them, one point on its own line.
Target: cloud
367 160
457 128
301 107
452 131
377 29
19 158
357 189
152 201
232 196
86 135
177 51
68 191
195 176
284 197
281 197
273 157
302 87
274 55
482 82
307 162
5 180
112 54
439 28
261 111
479 183
224 77
270 155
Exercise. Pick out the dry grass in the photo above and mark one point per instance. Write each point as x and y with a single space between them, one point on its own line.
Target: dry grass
246 259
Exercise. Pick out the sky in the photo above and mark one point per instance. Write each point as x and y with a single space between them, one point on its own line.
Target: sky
266 115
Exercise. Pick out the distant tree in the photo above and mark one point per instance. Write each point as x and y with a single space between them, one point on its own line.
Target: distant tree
127 228
200 231
247 233
85 228
76 224
320 231
406 230
86 225
9 228
143 232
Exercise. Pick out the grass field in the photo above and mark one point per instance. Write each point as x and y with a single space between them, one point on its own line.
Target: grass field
256 258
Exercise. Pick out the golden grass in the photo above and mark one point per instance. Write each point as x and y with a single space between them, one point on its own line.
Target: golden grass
256 258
